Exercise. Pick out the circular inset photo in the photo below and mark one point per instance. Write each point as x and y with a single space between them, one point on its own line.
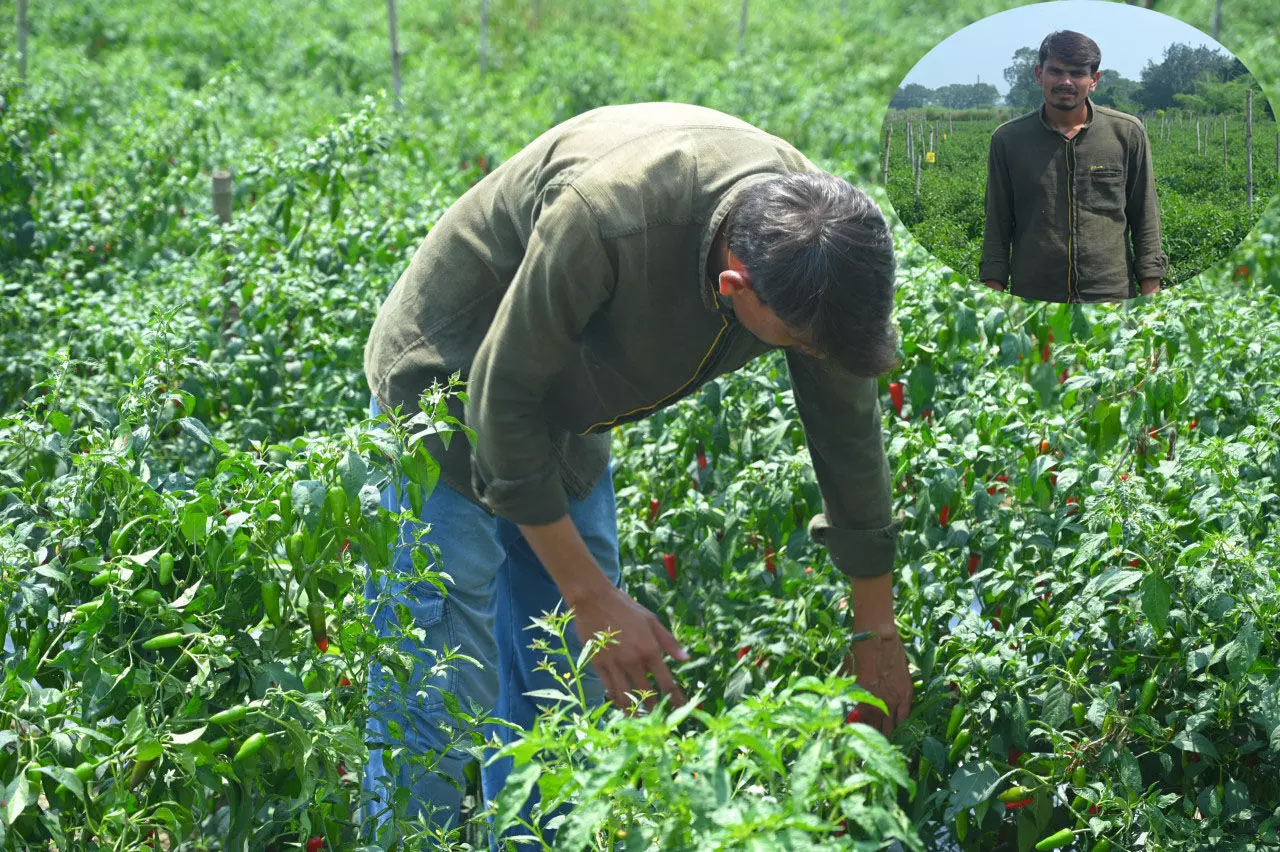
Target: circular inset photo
1080 151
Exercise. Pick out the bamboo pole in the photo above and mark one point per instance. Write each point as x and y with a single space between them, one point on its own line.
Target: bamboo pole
931 140
1199 149
22 27
484 37
1225 164
911 151
537 13
395 52
1248 146
918 159
221 191
888 145
1217 20
742 29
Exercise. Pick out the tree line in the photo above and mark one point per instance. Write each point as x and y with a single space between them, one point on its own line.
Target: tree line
1198 80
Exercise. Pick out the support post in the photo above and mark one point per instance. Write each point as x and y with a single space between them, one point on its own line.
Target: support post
918 159
484 37
1248 146
395 52
888 145
742 29
222 195
22 28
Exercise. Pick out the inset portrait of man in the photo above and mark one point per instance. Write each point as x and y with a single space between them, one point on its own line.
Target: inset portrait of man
1071 207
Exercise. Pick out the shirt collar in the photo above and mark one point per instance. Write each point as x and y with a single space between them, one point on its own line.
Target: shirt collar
710 293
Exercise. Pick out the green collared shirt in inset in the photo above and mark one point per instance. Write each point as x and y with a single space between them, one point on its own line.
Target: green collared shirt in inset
569 288
1071 220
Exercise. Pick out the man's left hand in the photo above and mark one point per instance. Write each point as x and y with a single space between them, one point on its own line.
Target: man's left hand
1148 286
880 666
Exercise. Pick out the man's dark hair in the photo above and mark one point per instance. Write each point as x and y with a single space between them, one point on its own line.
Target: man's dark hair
1071 48
820 256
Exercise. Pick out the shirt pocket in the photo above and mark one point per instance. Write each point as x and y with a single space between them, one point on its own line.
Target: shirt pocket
1106 189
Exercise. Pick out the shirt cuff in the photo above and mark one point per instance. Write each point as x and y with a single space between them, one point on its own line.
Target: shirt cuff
1156 266
857 553
532 501
994 271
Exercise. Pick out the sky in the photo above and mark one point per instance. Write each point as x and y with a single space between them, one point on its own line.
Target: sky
1127 35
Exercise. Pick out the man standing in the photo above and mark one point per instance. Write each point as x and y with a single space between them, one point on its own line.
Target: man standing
619 262
1070 189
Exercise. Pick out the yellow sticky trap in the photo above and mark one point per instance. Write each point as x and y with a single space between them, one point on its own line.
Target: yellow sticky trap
930 157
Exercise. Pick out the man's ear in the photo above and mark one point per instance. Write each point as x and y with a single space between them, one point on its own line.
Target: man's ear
733 282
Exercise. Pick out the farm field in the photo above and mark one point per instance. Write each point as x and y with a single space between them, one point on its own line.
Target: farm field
1088 577
1204 210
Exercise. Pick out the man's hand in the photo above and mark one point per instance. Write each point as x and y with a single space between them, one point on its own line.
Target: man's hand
880 666
637 652
1148 286
601 607
994 284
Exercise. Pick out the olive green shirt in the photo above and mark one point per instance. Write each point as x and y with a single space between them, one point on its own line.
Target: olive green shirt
1071 220
569 288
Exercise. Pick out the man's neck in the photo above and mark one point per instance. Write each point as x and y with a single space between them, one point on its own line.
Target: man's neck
1067 120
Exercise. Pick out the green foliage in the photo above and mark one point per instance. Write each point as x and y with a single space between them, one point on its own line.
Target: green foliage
175 386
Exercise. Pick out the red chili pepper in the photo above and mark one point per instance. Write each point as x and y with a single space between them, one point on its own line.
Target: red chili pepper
1044 447
944 514
1062 379
975 559
896 396
855 715
344 681
315 844
1022 804
1014 754
768 561
743 651
654 506
1194 424
927 414
669 562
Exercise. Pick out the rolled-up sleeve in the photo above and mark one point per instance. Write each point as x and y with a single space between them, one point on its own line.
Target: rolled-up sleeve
841 418
997 236
564 278
1143 212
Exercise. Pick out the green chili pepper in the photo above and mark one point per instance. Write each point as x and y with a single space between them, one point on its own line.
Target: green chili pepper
1015 794
286 508
1078 778
336 502
271 602
1056 840
164 640
230 715
415 499
107 575
293 547
164 569
953 724
1148 694
963 738
251 746
151 597
1077 713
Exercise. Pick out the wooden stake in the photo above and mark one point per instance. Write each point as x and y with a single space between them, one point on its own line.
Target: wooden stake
1199 150
742 29
1224 143
888 144
222 195
931 139
1248 146
22 28
911 151
918 159
395 52
484 37
1217 20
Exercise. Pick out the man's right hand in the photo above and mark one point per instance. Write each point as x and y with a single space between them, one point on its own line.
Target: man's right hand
994 285
625 664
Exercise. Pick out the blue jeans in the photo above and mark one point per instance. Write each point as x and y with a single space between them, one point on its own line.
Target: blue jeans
496 585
